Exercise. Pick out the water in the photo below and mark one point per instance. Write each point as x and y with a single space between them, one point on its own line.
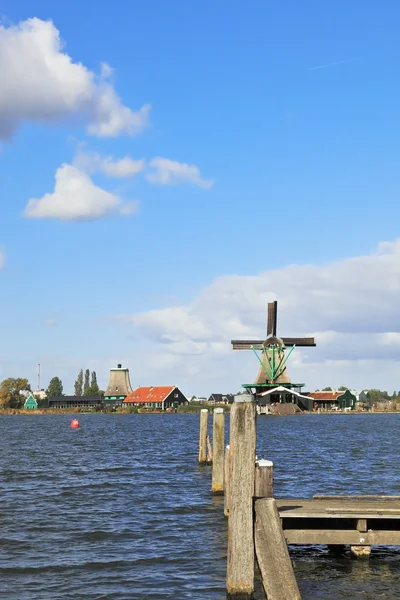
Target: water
120 510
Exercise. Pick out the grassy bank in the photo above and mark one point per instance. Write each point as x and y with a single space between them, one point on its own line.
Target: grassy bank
187 409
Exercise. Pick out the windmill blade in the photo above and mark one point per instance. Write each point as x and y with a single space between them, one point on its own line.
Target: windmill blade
272 318
245 344
291 341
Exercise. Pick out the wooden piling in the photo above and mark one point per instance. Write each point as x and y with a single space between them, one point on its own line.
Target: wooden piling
209 451
264 479
217 485
242 449
227 481
203 436
272 553
362 551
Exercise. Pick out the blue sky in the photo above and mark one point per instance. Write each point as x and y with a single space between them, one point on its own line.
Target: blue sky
279 126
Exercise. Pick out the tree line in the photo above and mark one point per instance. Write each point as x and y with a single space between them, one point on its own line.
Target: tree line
14 390
86 385
372 396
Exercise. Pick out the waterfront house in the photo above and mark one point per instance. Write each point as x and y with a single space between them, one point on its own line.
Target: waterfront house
221 398
333 400
159 397
198 399
30 403
282 396
75 402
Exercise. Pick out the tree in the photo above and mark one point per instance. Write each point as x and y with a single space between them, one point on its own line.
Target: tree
78 387
10 392
55 388
342 388
375 396
327 389
93 389
86 387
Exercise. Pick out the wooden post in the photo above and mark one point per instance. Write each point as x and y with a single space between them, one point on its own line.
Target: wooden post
203 436
273 557
227 481
242 449
209 452
361 551
217 486
264 479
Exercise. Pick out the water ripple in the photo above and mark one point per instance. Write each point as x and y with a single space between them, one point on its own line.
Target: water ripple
119 509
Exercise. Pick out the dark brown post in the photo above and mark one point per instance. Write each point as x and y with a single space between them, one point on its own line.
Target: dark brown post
217 486
242 448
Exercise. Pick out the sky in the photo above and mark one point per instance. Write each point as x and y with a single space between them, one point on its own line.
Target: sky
166 169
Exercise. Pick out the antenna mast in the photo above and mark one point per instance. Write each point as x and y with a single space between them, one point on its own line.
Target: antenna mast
38 377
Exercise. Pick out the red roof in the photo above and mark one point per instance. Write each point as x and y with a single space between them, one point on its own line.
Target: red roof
149 394
325 395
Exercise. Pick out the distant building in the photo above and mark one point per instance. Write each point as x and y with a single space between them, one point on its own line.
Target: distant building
333 400
41 394
280 396
221 398
119 387
75 402
30 403
161 397
198 399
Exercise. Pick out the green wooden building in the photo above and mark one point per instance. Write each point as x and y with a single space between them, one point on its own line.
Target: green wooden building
30 403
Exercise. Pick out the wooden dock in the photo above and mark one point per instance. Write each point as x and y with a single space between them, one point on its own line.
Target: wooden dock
362 520
262 527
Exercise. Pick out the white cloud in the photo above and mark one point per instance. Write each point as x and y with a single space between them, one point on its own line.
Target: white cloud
41 83
92 162
76 198
172 172
2 259
125 167
351 306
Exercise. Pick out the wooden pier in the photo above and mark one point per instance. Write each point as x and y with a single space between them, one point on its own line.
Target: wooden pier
361 520
261 527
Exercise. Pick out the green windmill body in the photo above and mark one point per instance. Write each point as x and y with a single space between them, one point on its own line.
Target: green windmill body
272 354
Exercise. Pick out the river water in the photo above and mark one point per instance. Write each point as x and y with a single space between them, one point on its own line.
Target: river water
120 510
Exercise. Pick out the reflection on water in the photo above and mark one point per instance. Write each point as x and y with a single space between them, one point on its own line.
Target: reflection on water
120 510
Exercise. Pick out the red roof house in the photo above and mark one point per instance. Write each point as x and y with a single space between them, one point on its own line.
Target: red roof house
333 400
162 397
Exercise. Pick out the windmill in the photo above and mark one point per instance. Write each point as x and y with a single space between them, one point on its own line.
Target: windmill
271 354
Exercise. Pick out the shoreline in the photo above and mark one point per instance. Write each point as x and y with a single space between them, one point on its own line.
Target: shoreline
33 412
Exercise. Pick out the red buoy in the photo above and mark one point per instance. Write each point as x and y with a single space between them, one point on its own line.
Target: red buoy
74 423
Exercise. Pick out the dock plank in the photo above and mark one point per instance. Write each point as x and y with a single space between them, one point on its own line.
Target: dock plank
332 508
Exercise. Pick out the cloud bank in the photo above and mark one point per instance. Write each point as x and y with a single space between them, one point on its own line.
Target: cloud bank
41 83
351 307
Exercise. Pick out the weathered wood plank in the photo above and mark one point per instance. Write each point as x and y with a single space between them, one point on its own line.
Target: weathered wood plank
242 449
217 484
272 554
355 497
335 509
350 537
